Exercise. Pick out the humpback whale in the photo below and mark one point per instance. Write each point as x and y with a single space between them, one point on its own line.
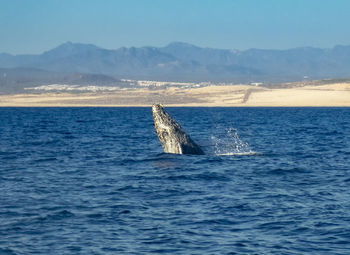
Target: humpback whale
171 135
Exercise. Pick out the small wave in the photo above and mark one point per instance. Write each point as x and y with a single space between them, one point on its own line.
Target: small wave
48 159
6 251
61 215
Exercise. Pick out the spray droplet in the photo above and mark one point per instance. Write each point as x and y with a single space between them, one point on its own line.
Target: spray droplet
231 144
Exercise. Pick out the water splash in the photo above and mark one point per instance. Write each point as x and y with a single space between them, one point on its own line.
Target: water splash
231 144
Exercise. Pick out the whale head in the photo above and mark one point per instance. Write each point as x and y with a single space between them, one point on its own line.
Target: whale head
171 135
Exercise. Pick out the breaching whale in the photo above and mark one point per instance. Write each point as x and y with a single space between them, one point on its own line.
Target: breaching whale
172 136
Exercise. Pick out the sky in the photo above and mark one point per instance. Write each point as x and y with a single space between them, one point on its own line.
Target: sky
35 26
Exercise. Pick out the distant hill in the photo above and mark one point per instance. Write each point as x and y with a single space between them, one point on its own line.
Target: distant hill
185 62
14 80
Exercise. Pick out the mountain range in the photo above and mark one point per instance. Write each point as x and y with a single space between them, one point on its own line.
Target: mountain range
79 63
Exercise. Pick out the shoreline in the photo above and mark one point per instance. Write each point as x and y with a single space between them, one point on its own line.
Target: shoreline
330 95
166 105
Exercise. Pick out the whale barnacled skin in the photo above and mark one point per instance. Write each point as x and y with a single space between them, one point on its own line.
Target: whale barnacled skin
172 136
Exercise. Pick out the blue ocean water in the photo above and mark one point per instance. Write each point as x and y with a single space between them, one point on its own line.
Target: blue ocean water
96 181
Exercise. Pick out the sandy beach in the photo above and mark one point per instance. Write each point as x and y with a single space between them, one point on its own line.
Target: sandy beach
225 96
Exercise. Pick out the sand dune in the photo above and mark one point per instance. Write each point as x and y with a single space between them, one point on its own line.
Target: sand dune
235 95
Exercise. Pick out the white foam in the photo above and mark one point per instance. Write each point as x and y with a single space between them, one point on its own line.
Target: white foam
248 153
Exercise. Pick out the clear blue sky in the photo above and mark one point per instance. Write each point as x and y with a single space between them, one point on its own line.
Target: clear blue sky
33 26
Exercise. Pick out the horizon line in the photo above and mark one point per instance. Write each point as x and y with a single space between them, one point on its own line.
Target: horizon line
176 42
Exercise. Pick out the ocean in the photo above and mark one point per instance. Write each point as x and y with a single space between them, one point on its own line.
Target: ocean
96 181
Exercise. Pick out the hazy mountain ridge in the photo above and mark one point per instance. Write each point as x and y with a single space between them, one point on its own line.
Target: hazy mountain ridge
185 62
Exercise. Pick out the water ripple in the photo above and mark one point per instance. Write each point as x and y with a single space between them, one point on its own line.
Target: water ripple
96 181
